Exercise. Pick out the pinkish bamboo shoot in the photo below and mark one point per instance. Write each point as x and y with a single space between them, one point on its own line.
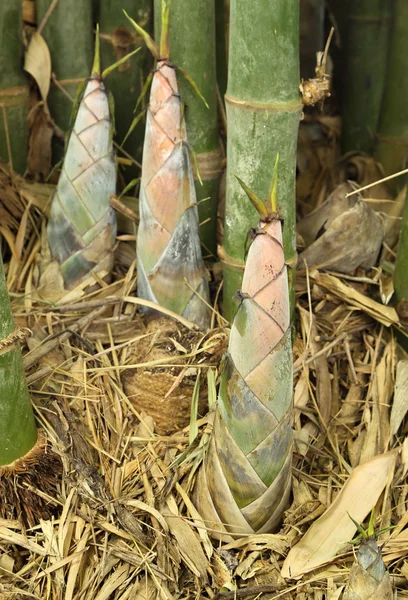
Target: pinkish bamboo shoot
171 271
244 484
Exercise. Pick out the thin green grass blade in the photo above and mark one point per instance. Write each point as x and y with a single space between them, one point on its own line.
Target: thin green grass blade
193 84
256 202
193 430
132 126
143 93
120 62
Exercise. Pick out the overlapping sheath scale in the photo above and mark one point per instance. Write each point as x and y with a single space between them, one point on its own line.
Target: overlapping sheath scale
82 225
168 244
244 484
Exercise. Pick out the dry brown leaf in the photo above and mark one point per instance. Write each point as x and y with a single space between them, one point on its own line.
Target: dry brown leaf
189 546
342 234
222 575
41 131
334 529
404 457
115 580
400 404
38 63
391 213
146 590
11 537
383 314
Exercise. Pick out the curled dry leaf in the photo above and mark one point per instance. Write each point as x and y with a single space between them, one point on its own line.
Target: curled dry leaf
38 63
334 529
342 234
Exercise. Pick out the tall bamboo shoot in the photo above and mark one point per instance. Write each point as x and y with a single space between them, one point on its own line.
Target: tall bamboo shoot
171 271
193 48
82 225
401 266
244 483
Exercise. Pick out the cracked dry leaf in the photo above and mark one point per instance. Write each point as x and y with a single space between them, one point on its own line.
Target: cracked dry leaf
342 234
331 533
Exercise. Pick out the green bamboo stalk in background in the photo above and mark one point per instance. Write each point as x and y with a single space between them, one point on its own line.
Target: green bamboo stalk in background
222 35
69 35
13 86
126 83
366 50
312 13
18 433
244 483
263 111
337 11
391 145
192 43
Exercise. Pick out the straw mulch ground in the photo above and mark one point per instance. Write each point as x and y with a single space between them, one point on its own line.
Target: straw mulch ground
124 525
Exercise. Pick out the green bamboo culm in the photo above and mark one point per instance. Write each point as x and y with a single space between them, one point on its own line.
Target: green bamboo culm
222 29
263 111
391 145
312 13
18 433
366 51
68 32
192 43
401 263
13 86
337 11
126 83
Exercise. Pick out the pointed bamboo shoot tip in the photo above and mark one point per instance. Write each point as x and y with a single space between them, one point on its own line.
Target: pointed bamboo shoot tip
96 68
256 202
272 200
150 43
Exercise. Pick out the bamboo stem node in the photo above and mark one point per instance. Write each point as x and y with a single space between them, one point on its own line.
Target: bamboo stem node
229 261
210 164
274 107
